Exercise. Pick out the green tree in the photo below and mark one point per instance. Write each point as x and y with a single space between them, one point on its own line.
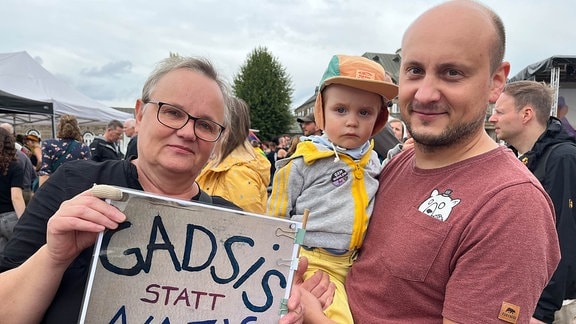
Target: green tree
266 87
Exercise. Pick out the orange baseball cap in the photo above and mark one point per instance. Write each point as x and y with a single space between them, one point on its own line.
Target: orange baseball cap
361 73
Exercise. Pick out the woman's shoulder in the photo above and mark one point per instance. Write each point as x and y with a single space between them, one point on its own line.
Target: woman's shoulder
79 145
50 141
14 164
54 143
96 165
113 172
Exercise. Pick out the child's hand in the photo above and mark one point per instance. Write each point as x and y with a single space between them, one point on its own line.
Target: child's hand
320 286
408 144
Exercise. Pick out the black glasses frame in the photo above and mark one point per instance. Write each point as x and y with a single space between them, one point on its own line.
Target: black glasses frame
190 117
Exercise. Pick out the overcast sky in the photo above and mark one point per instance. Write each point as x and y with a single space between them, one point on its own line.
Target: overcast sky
106 48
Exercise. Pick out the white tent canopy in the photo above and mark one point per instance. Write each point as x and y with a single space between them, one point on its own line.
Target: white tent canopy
21 76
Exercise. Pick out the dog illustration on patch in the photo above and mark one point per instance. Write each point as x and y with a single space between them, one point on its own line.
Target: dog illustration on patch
439 205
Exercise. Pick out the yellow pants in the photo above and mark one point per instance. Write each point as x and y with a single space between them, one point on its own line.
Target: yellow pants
336 266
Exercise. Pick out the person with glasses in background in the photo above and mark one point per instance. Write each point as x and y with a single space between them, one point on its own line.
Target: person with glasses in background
181 115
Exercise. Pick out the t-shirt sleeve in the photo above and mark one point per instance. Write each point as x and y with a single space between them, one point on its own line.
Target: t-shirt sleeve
46 167
17 179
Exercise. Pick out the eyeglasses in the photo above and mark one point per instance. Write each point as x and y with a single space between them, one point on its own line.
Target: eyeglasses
176 118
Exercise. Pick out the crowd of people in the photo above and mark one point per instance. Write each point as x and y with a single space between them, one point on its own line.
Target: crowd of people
452 227
38 159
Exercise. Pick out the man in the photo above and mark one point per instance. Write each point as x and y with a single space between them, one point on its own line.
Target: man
32 144
132 133
130 127
385 141
521 118
562 112
308 125
461 231
398 128
26 164
106 147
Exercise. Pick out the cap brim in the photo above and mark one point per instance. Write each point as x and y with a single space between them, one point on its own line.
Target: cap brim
388 90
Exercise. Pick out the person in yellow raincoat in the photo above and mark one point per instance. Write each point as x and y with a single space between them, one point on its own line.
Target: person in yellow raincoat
236 171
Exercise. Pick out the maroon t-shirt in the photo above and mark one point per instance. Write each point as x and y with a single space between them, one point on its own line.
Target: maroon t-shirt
469 242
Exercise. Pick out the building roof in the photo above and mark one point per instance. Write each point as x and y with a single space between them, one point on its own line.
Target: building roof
390 62
541 71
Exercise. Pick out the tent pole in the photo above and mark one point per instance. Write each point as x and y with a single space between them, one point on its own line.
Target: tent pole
555 84
53 128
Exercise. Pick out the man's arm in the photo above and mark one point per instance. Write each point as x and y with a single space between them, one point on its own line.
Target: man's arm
95 151
560 188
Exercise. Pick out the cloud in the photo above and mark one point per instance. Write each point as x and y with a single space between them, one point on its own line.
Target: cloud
112 69
107 48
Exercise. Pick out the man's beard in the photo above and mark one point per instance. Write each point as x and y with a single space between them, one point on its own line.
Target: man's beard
452 135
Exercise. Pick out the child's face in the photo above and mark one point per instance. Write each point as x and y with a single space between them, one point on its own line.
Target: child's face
349 115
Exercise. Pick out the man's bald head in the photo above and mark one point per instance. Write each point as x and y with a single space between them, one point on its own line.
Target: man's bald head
446 13
8 127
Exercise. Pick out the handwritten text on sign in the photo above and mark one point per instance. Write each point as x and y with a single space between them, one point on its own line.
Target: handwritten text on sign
193 264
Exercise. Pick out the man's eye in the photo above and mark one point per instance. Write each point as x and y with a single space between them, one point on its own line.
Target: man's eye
414 70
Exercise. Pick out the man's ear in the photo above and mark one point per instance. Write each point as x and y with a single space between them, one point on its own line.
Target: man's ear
499 78
528 114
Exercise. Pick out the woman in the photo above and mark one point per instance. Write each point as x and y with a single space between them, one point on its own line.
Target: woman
32 143
293 144
236 171
44 267
66 147
11 183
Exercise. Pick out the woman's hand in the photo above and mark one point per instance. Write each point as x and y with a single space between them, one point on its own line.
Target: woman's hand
76 224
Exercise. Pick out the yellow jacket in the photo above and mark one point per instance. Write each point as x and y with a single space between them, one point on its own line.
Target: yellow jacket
241 178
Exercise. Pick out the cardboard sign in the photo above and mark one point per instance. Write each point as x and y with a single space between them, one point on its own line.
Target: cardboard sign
175 261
